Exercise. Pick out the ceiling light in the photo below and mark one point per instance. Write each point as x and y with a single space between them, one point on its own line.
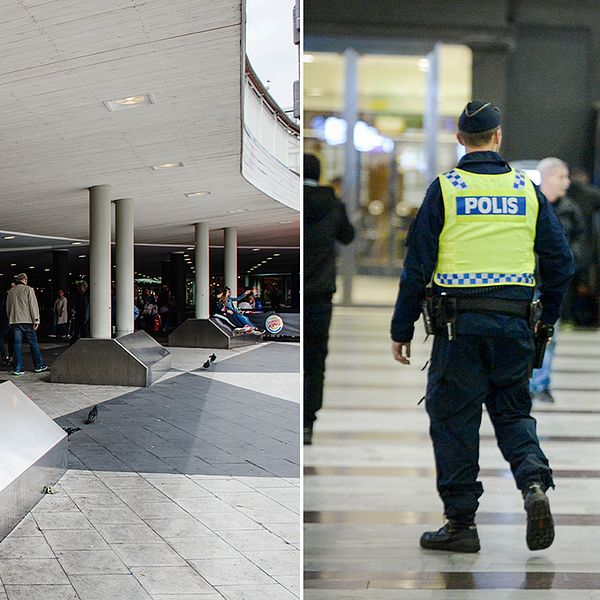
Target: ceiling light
315 92
76 243
255 249
277 254
308 58
189 248
171 165
263 262
285 222
46 270
233 212
32 267
269 258
81 256
9 237
13 264
192 194
423 65
128 102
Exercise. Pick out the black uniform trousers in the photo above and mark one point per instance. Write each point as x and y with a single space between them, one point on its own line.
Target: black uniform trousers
315 334
465 374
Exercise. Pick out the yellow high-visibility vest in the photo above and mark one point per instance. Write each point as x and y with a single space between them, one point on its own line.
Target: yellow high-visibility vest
489 230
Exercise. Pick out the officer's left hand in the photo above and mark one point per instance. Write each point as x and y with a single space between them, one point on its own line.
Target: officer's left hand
401 352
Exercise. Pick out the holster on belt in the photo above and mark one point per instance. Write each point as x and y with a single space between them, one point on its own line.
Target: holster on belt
543 336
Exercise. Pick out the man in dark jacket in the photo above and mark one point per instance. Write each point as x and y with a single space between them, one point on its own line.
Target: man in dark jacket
325 223
81 313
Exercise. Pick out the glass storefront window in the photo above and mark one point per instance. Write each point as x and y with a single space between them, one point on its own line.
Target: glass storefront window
392 94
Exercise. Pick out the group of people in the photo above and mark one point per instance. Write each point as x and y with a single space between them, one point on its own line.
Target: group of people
231 308
155 310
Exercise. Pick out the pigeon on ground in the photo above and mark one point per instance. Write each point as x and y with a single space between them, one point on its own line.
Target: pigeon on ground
71 430
212 357
206 364
92 415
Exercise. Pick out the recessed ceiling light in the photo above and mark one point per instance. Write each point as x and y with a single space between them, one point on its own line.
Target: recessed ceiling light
255 249
46 270
9 237
32 267
277 254
128 102
285 222
308 58
189 248
76 243
263 262
192 194
13 264
239 210
269 258
81 256
171 165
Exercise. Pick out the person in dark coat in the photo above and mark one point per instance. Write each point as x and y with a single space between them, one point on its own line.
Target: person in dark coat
80 311
325 223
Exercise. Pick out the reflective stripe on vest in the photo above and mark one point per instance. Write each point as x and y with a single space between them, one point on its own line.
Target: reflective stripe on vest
489 230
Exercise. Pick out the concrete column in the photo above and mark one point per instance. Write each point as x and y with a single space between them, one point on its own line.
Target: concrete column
431 118
351 181
177 283
124 275
100 268
202 271
165 272
231 274
60 271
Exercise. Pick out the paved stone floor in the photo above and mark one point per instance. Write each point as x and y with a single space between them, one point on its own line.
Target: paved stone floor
188 490
370 482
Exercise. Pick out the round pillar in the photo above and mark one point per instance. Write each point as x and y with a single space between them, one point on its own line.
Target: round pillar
100 269
60 271
124 276
230 243
202 271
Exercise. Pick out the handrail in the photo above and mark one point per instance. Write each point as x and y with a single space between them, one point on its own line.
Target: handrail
260 90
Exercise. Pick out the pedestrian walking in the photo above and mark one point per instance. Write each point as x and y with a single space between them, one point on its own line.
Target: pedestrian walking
325 224
476 237
24 318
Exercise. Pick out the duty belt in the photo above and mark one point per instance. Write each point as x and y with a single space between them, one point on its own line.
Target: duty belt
440 312
494 306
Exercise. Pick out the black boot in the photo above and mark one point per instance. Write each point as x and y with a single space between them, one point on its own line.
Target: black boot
452 537
308 433
540 526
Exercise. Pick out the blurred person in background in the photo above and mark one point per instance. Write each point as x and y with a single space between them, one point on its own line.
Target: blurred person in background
555 182
587 198
325 223
61 315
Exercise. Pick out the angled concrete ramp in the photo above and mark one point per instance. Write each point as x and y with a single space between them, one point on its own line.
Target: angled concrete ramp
135 359
33 454
215 332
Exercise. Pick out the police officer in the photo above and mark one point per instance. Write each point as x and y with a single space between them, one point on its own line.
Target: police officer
476 238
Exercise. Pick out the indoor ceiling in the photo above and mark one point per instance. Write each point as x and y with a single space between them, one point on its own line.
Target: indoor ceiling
62 60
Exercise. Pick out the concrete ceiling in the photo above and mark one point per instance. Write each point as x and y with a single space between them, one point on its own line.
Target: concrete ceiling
61 59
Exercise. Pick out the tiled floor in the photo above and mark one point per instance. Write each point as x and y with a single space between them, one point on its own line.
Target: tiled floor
370 482
188 490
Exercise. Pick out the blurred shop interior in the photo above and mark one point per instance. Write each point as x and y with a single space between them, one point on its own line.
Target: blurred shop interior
391 149
399 77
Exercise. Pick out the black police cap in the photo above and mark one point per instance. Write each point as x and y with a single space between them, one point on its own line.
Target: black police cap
479 116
